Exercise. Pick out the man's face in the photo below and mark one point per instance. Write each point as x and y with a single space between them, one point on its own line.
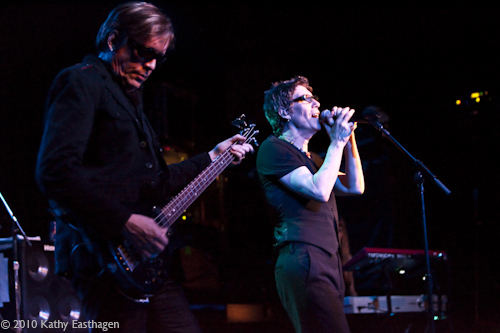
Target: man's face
304 110
135 61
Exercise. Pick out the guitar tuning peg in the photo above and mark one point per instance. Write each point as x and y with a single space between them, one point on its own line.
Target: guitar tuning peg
240 122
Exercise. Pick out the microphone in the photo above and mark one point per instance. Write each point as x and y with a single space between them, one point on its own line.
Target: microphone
372 114
364 118
323 117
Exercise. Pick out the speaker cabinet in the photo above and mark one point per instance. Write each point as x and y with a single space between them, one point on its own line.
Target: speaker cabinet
46 298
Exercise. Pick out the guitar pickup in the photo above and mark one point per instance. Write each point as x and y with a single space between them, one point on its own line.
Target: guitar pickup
126 259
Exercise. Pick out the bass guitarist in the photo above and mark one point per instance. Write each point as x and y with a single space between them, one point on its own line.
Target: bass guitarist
101 168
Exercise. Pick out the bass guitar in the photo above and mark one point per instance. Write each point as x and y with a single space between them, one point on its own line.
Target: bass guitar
146 276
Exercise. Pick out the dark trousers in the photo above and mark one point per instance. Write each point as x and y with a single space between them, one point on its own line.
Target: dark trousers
311 288
166 311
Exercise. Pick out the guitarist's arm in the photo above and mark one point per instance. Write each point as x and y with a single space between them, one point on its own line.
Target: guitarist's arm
144 232
146 235
177 175
238 150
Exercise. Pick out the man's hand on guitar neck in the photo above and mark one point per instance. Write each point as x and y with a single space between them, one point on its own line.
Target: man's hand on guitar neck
238 150
146 235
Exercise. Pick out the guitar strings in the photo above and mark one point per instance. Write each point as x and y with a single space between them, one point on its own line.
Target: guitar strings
166 219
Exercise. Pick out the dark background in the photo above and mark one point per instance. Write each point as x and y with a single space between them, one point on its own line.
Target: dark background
411 60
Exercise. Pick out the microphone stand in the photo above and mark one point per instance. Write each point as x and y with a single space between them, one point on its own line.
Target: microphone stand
372 119
16 229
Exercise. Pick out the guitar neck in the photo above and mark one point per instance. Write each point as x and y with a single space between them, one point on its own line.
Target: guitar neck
174 209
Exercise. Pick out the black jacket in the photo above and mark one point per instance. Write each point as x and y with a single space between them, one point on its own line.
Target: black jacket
99 160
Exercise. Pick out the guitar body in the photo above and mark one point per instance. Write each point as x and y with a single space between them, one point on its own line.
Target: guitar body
146 276
133 272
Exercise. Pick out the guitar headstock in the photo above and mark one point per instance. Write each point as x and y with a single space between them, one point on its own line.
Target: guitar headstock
247 130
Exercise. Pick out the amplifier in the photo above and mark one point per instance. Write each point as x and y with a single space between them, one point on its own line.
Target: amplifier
45 296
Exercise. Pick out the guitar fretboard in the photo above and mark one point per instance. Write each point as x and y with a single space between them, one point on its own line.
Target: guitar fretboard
174 209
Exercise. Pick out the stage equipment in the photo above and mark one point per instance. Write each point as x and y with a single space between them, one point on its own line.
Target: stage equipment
44 296
380 271
372 114
16 230
35 295
391 304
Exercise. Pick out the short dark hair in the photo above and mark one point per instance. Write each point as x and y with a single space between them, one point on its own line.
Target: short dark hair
279 96
139 21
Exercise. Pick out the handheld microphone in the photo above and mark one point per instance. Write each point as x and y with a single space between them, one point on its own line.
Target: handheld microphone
364 118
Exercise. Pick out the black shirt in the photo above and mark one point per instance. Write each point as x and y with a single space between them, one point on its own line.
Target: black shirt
300 218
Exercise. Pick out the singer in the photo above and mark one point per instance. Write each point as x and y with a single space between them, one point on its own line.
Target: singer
301 187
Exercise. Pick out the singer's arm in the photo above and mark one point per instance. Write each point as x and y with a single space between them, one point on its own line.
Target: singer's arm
319 186
353 181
